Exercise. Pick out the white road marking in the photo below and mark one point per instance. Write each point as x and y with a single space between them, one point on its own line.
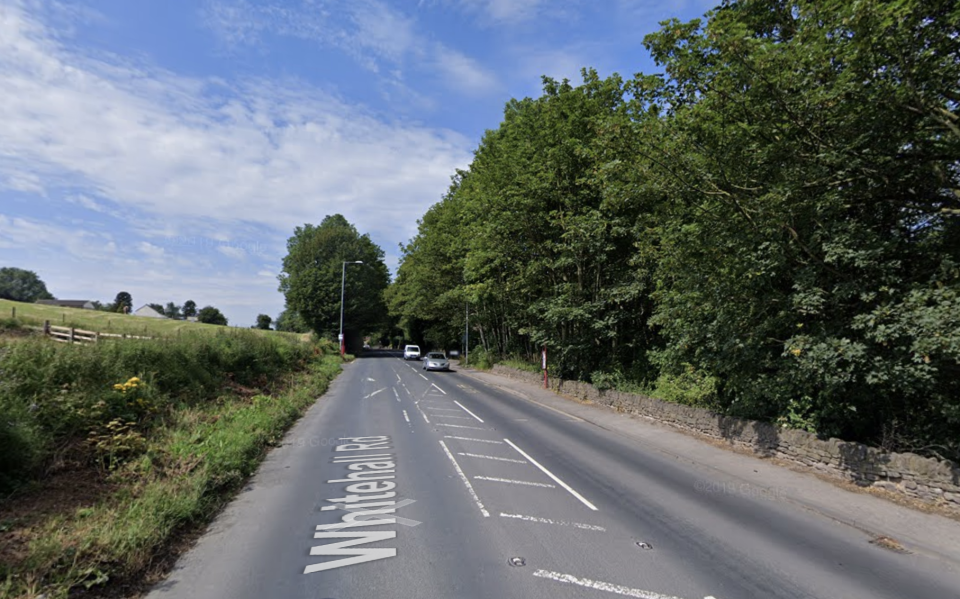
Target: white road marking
374 393
469 439
443 409
490 457
423 377
434 385
475 428
405 416
553 476
451 416
557 522
465 480
424 414
467 411
514 482
396 394
398 376
601 586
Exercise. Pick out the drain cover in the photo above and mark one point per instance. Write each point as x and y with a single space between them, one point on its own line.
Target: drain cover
643 545
517 562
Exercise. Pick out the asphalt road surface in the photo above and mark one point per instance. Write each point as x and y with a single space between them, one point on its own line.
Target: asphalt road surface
402 483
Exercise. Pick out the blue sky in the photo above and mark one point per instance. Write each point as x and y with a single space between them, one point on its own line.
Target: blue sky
169 147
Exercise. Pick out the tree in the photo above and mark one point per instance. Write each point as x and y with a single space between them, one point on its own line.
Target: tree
156 307
290 321
189 309
124 303
171 310
22 285
312 275
263 322
211 315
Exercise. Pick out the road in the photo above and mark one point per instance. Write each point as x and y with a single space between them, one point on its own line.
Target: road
403 483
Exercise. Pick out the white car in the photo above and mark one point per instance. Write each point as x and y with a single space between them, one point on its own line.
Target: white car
411 352
436 361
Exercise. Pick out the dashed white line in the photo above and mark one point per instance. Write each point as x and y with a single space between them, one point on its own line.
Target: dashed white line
374 393
514 482
396 394
553 476
467 411
477 440
465 480
421 376
557 522
424 414
398 376
405 416
601 586
434 385
490 457
474 428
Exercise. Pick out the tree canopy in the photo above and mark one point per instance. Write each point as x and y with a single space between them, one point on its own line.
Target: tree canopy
768 227
22 285
313 271
211 315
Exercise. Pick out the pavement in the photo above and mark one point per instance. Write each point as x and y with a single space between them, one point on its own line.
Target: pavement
405 483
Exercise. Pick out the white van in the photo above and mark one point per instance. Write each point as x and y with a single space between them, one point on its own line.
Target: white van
411 352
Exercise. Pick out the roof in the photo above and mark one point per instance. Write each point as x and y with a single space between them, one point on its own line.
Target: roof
146 310
67 303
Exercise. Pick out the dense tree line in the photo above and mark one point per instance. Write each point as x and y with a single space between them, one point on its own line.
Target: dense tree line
768 228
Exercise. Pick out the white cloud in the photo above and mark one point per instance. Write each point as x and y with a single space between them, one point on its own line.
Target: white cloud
232 251
194 153
86 202
152 252
462 71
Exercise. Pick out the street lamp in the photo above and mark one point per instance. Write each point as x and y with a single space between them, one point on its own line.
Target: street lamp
343 278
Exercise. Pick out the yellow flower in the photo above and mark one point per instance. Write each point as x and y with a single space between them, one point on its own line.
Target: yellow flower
796 351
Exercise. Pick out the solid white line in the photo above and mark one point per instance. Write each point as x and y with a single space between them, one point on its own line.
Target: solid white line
423 377
477 440
405 416
451 416
490 457
474 428
601 586
466 410
395 393
465 480
437 388
557 522
443 409
514 482
553 476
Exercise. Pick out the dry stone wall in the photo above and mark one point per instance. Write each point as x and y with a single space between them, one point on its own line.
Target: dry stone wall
927 479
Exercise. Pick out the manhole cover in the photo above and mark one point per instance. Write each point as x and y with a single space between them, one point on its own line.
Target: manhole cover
517 562
643 545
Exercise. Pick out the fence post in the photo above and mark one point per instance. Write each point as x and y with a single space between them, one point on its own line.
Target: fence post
71 334
13 311
63 319
46 327
96 337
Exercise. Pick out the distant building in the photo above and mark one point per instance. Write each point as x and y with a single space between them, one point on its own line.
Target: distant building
84 304
148 312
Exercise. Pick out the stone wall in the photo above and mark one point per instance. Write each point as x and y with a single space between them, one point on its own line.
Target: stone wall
927 479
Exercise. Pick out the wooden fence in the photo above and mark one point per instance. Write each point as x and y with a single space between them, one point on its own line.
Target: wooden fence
75 335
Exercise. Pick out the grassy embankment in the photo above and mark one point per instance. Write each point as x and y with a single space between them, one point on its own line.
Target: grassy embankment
109 322
110 452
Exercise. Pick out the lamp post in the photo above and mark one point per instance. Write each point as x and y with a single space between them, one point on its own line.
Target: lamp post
343 279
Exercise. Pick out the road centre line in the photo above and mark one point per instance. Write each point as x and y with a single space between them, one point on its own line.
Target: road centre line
434 385
601 586
557 522
395 393
514 482
469 439
405 416
423 377
424 414
467 411
490 457
553 476
398 376
465 480
474 428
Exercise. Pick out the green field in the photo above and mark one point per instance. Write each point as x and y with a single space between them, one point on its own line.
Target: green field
109 322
